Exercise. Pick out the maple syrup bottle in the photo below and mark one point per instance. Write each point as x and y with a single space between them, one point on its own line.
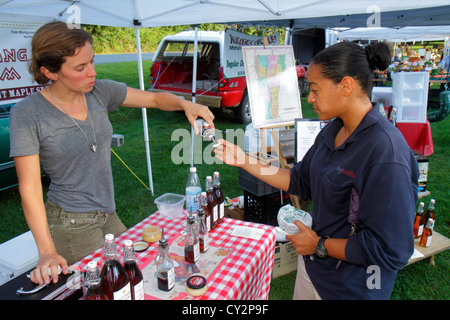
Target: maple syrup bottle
419 221
115 281
191 244
202 231
133 271
219 197
164 266
427 234
204 205
430 212
92 280
212 203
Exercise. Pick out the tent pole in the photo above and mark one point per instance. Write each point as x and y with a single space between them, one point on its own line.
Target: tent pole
144 110
194 88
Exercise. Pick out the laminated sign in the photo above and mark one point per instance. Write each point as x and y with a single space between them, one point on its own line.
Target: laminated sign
233 43
15 81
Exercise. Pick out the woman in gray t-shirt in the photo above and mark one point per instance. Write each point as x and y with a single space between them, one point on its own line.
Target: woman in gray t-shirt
66 129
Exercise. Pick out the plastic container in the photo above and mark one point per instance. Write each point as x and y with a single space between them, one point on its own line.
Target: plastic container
196 285
288 214
170 205
151 233
410 96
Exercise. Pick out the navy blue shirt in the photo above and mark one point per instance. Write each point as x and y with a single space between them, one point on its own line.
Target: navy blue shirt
377 165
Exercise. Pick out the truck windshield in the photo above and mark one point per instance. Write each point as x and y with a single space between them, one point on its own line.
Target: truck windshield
186 49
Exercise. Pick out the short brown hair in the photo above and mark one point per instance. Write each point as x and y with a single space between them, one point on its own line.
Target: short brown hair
51 44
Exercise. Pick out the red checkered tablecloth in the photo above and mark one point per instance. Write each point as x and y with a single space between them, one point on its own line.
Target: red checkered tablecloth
244 275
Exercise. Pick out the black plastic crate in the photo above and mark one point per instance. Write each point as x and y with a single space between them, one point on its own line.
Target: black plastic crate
254 185
264 209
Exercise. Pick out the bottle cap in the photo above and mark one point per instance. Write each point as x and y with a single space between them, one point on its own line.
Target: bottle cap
190 217
128 243
192 169
92 264
109 237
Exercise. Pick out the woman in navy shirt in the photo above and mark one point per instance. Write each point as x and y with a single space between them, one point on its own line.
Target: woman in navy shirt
361 176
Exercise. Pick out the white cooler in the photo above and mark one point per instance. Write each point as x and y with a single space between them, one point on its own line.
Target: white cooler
17 256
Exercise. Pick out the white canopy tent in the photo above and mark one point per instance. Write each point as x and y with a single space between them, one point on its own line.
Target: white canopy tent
406 34
284 13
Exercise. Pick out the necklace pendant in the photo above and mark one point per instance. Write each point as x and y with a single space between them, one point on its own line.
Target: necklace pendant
93 147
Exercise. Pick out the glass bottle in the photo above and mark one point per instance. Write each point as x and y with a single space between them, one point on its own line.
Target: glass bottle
204 204
164 266
202 231
193 190
133 271
430 212
212 203
92 280
219 197
419 221
427 234
115 281
191 245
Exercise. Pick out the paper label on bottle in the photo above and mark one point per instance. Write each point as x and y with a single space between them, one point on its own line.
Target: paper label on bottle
139 291
419 232
171 278
123 294
428 241
196 251
205 242
222 210
215 213
208 224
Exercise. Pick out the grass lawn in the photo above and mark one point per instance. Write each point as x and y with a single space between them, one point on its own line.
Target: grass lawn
134 202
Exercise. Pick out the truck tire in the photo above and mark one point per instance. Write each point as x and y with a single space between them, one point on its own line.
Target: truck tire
242 113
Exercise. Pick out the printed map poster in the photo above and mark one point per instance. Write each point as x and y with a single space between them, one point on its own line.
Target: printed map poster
15 81
272 85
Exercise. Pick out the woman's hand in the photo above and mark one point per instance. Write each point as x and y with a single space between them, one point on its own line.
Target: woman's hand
304 242
230 153
41 275
194 111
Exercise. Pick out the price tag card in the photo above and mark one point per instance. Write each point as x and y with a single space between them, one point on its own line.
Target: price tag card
247 232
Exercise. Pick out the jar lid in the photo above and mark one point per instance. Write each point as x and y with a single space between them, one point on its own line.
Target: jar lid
196 282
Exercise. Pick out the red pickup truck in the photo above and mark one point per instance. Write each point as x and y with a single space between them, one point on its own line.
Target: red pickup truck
220 76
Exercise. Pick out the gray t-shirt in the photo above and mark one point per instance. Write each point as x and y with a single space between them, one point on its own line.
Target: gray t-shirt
81 180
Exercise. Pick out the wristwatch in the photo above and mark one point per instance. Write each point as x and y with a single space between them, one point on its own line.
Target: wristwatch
321 252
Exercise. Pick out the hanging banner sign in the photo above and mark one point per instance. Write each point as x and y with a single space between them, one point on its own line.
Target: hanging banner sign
234 41
16 81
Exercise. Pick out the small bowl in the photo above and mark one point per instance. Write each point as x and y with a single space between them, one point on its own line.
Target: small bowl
151 233
140 246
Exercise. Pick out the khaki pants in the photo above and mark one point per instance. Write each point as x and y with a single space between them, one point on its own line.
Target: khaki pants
77 234
304 289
